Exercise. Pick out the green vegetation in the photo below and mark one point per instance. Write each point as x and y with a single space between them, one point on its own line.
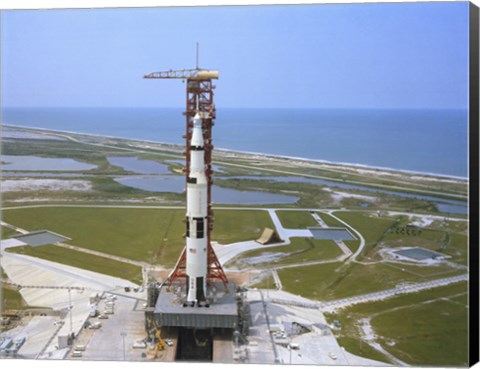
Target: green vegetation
7 232
427 271
310 281
329 220
300 250
446 237
427 328
64 149
265 281
361 348
94 150
445 344
239 225
369 225
296 219
372 228
149 235
335 281
11 299
83 260
332 222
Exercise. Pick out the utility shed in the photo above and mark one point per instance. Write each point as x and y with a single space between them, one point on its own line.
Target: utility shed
169 311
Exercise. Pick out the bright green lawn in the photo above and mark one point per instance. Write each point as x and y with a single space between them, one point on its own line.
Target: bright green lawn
239 225
139 234
371 227
296 219
11 299
329 220
7 232
428 328
434 333
335 281
151 235
298 251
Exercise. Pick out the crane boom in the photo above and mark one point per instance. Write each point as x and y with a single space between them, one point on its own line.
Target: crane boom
193 74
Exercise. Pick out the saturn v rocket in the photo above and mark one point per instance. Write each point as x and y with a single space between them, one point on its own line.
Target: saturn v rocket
198 263
196 219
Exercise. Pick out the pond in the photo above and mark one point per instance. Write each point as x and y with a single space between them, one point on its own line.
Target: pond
215 168
220 195
443 205
23 162
337 234
40 174
134 164
40 238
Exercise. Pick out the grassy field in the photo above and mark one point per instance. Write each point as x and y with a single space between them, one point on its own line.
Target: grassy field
150 235
329 220
372 228
11 299
361 348
335 281
266 282
446 237
309 281
7 232
300 250
83 260
239 225
426 271
427 328
332 222
296 219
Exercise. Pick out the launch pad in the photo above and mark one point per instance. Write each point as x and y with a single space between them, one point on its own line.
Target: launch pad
221 313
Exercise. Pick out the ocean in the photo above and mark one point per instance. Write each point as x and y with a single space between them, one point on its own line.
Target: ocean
426 141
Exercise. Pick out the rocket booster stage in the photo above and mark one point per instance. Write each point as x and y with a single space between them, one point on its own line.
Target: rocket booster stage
196 219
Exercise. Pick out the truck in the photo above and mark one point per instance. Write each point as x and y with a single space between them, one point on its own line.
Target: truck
95 325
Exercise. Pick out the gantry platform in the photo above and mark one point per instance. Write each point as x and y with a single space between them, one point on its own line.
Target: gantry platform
222 312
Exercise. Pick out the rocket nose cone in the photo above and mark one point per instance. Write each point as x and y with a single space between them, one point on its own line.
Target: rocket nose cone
197 117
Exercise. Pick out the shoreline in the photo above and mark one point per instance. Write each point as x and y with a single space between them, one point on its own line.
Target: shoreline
320 161
354 165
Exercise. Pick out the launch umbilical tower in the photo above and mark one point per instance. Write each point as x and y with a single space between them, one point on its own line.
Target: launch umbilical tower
198 264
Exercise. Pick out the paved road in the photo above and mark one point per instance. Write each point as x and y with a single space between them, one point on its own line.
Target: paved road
319 220
344 247
277 280
374 296
12 227
380 295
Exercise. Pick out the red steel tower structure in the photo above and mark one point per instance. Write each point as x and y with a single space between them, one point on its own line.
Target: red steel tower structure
199 93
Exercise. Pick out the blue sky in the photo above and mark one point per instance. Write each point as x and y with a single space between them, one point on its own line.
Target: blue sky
412 55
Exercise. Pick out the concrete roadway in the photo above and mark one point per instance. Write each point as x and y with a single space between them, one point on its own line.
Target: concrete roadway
380 295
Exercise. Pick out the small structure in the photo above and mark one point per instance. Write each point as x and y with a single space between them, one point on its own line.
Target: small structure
269 236
421 254
322 329
40 238
332 233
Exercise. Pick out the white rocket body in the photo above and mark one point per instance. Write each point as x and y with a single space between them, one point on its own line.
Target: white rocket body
196 219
